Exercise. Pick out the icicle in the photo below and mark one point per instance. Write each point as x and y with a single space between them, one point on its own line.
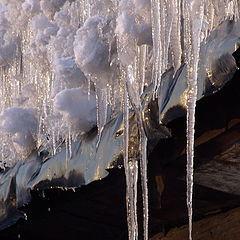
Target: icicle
69 142
142 67
102 108
175 38
143 168
131 174
167 29
157 43
190 115
126 145
193 19
66 151
54 141
89 87
141 59
236 10
134 86
164 28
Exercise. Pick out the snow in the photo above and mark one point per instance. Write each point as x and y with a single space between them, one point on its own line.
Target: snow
19 125
7 52
31 6
91 48
49 7
67 74
78 111
15 120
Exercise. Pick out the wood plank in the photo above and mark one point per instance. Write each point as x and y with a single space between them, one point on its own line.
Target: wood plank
217 163
172 210
223 172
224 226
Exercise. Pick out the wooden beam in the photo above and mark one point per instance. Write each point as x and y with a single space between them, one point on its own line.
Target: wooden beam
223 172
219 227
217 162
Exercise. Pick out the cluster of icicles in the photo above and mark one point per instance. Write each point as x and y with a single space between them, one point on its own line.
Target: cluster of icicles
67 66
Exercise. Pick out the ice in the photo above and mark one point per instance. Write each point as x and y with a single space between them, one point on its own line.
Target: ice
175 37
129 31
131 173
133 178
143 167
78 63
102 110
193 22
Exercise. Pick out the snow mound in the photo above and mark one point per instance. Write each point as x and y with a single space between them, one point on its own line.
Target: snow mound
19 126
77 109
92 49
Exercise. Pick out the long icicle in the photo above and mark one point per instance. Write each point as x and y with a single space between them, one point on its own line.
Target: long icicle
193 18
143 141
131 174
143 167
134 91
